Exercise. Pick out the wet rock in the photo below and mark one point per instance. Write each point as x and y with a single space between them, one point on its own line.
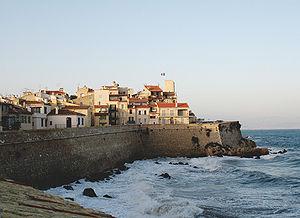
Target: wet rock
282 152
171 163
89 192
123 168
77 182
195 167
98 176
186 164
68 187
165 176
180 163
157 162
257 157
117 171
107 196
71 199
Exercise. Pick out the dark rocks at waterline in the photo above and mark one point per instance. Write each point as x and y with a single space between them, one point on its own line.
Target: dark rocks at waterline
165 176
123 168
195 167
117 171
257 157
89 192
156 162
107 196
68 187
77 182
98 176
70 199
282 152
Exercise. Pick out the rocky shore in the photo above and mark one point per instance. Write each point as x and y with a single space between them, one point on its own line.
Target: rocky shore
23 201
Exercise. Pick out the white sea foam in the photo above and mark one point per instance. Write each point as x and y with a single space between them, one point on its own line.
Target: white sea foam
137 192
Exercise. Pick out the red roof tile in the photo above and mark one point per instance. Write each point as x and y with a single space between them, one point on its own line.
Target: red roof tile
165 105
100 106
55 92
183 105
138 100
153 88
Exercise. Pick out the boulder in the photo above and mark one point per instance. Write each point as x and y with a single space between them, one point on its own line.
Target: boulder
68 187
107 196
77 182
165 176
257 157
156 162
89 192
70 199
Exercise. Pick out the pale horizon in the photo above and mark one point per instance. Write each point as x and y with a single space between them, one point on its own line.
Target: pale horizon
231 60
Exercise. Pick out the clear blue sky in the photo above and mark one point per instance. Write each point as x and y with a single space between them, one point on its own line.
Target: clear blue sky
235 60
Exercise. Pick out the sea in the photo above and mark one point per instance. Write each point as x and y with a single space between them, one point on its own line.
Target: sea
204 187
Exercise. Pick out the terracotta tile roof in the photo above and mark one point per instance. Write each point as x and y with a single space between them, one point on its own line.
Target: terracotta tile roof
74 107
172 105
183 105
55 92
166 105
153 88
100 106
138 100
64 112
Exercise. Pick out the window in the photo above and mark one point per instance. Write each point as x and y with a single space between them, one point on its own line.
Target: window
140 112
145 112
46 122
29 119
50 123
78 121
82 121
42 122
45 110
130 111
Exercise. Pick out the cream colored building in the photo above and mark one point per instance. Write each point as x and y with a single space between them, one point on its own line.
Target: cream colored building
62 118
101 116
173 113
81 109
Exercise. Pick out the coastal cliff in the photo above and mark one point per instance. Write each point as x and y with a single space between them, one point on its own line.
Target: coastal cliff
51 158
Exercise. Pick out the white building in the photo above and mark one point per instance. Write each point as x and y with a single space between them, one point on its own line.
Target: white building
61 118
40 111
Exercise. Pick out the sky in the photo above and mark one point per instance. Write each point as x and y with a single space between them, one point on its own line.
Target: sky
231 60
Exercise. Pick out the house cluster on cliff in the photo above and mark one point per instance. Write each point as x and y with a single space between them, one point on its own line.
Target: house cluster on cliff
108 105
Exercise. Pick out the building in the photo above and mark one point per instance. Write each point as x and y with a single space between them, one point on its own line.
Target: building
142 113
62 118
101 116
14 117
82 109
39 112
173 113
116 98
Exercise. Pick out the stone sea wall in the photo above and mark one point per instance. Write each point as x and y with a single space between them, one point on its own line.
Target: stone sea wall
51 158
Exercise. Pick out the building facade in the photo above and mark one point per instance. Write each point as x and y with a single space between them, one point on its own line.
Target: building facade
61 118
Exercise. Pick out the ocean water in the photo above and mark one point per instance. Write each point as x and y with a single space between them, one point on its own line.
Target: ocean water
206 187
